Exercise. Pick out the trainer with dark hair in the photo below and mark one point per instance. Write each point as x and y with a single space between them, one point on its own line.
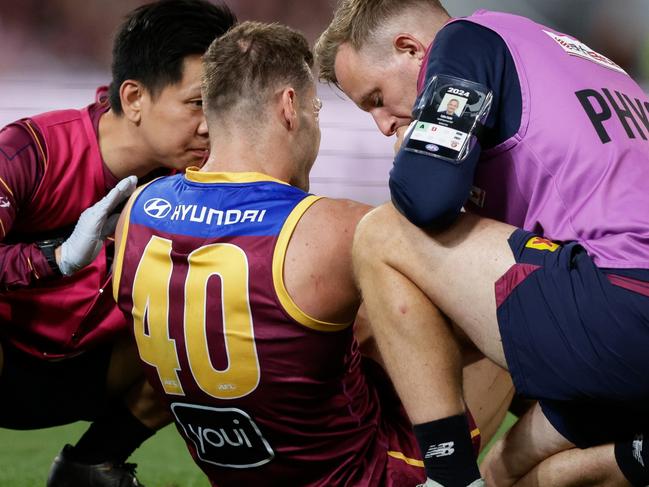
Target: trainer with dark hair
63 342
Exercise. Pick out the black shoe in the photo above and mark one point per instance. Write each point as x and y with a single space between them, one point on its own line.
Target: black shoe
66 472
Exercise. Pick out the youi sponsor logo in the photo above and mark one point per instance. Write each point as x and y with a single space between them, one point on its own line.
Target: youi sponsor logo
226 437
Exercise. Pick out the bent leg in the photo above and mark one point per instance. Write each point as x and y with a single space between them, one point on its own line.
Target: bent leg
535 453
28 381
414 351
126 379
407 277
531 441
402 270
487 388
592 467
134 414
488 391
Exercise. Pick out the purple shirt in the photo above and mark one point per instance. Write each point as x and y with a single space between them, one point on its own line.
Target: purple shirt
577 169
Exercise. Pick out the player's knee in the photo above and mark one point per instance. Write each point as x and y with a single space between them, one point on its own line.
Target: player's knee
374 236
147 406
494 469
124 369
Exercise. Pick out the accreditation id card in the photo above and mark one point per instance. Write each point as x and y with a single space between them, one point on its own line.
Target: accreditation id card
447 118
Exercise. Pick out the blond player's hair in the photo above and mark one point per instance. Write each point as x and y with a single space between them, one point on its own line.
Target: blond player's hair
357 22
244 66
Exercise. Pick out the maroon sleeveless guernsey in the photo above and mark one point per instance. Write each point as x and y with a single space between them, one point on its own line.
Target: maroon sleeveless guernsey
262 393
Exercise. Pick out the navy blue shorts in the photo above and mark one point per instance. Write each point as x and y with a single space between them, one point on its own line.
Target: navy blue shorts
575 340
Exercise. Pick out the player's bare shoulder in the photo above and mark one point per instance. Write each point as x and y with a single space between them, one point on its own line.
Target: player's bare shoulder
337 218
329 226
318 266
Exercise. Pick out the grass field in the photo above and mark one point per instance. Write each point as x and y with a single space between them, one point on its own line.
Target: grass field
163 461
25 457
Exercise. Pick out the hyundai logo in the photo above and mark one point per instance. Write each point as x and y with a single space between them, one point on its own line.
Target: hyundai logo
157 208
432 147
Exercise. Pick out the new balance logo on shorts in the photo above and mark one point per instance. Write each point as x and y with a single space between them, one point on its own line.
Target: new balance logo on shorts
637 449
441 450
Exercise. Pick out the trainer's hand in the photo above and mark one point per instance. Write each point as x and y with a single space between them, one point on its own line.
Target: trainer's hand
94 225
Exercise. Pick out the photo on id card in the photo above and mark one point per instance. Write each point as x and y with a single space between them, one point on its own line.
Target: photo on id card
448 118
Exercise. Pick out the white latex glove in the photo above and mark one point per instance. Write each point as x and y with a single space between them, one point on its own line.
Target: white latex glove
94 225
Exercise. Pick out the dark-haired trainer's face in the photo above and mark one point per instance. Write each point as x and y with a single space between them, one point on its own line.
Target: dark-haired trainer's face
173 124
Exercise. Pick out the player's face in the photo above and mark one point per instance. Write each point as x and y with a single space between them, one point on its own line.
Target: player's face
387 90
451 107
173 124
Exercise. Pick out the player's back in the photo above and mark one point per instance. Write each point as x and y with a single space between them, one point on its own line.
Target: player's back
263 393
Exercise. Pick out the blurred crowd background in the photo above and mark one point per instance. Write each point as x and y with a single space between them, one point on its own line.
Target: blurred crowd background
77 33
54 53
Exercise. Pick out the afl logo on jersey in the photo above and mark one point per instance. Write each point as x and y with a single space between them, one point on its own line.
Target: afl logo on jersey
157 208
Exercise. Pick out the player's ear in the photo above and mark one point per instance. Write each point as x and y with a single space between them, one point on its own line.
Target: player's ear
288 108
407 44
131 93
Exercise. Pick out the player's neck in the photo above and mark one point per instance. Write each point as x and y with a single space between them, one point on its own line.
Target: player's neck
239 152
121 149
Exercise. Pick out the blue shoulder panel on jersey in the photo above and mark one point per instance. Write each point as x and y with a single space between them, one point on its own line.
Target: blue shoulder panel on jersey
175 205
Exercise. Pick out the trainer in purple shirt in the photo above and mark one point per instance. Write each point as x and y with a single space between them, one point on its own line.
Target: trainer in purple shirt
547 270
